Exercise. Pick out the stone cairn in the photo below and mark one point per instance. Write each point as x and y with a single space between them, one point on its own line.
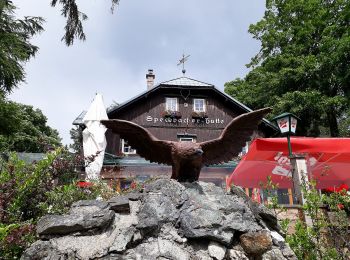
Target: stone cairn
166 220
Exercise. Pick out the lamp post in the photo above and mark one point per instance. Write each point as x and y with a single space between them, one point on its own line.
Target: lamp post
287 124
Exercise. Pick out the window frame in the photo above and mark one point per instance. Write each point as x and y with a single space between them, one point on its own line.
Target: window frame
194 105
188 139
132 151
176 104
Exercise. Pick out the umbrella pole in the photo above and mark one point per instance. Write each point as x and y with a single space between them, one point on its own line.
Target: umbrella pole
300 178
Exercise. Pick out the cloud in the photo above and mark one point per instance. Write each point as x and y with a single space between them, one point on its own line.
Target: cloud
120 48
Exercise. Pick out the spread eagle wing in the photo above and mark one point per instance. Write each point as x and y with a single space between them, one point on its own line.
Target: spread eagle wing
233 138
146 144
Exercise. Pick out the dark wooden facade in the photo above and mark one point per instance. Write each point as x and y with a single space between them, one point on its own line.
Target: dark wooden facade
148 110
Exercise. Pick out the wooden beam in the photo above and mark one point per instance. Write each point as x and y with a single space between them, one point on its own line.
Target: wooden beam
290 195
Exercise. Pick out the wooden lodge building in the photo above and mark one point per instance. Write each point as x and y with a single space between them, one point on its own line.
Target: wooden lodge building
181 109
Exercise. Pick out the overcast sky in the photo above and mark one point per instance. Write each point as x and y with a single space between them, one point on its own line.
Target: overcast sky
121 47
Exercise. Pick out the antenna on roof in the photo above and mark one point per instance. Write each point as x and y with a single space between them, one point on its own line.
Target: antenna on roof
182 61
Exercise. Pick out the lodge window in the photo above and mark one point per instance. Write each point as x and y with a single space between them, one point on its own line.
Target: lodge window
199 105
185 137
126 148
171 104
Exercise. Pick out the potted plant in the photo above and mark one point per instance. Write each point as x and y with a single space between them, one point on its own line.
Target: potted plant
199 115
171 114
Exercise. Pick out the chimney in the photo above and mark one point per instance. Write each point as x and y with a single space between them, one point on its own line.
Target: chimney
150 79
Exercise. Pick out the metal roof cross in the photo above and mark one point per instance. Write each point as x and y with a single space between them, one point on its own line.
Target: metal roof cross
182 61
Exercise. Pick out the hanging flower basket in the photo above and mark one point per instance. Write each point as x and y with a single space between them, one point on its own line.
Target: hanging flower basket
199 115
171 114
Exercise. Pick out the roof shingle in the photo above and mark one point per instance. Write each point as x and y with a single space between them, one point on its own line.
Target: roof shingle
184 81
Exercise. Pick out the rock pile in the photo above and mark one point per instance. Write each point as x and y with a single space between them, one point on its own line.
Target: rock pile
167 220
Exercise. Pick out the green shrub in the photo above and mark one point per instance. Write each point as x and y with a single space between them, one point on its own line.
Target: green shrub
31 190
61 198
325 236
15 238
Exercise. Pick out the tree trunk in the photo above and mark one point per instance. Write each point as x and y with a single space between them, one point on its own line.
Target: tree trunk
333 124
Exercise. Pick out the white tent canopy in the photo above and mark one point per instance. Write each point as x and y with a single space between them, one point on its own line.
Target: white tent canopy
94 140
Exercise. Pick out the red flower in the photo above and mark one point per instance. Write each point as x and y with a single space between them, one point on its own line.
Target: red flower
84 184
133 185
343 188
330 189
340 206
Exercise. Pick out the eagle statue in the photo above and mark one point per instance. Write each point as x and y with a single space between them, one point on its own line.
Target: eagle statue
187 158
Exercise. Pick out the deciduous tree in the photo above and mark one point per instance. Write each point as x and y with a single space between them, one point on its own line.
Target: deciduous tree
25 129
303 65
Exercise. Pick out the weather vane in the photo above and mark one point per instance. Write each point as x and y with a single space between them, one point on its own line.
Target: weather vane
182 61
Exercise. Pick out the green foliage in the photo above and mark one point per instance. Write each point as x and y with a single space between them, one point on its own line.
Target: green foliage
344 124
23 187
61 198
14 238
302 241
270 189
74 24
323 236
29 191
76 134
5 230
15 46
302 66
24 129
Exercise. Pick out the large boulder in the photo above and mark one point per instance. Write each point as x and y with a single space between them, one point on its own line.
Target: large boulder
166 220
65 224
256 243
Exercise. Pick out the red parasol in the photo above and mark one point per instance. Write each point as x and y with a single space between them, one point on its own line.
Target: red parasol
328 161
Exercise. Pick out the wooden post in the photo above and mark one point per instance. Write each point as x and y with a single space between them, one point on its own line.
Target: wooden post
290 195
300 177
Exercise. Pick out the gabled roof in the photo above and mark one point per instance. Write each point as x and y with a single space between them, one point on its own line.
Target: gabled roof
178 82
184 81
187 82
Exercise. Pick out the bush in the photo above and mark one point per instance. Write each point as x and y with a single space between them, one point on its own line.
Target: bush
24 186
325 233
29 191
60 199
15 238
